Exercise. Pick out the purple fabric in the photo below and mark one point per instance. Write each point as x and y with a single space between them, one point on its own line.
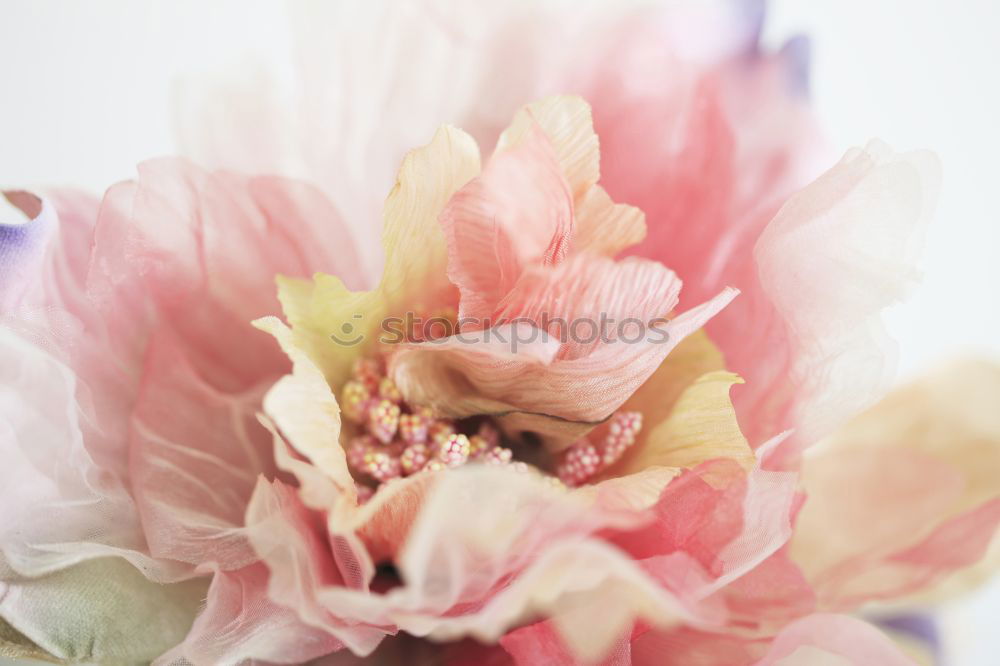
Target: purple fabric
797 53
22 246
920 627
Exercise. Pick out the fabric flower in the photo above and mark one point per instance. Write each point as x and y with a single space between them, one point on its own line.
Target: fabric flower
492 490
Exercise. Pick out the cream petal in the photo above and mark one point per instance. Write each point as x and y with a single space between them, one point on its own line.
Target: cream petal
334 324
415 250
603 227
566 121
695 356
305 411
702 426
921 467
836 253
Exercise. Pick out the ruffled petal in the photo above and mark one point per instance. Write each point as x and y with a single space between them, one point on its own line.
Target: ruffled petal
702 426
164 257
183 257
565 120
241 622
709 156
294 543
524 551
713 528
922 466
193 476
60 505
815 639
825 638
615 301
331 322
541 397
518 213
836 254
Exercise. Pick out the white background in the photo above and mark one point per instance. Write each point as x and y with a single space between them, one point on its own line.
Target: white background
86 95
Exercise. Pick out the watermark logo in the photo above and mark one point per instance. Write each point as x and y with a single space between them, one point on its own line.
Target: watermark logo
514 333
350 334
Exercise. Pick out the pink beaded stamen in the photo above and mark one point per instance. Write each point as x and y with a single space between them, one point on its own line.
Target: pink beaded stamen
622 433
479 447
381 466
357 450
434 466
354 399
397 439
498 455
580 462
414 457
388 391
440 430
413 428
453 450
368 371
383 420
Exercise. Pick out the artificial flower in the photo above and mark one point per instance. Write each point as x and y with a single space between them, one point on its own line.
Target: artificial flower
493 491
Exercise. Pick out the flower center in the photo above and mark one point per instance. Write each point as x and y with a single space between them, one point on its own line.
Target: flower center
392 439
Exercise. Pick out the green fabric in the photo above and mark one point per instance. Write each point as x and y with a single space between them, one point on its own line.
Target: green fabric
16 645
103 610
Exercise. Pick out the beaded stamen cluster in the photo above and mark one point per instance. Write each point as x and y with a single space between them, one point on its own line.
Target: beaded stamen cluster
397 439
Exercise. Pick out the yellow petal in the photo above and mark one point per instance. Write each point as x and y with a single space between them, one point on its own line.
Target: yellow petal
701 426
334 325
330 323
415 251
305 411
694 357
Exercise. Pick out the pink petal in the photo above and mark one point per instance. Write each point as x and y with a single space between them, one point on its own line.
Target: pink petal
185 258
193 476
541 643
602 294
60 505
292 540
812 638
517 213
472 378
240 622
835 254
198 252
709 157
